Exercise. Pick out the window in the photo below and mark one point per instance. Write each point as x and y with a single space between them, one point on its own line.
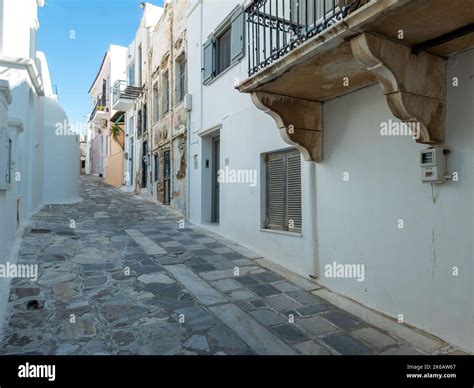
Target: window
140 61
225 46
8 177
166 92
131 75
139 122
103 102
156 105
223 51
283 191
156 167
145 119
180 79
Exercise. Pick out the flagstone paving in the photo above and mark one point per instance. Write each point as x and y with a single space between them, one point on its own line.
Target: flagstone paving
129 279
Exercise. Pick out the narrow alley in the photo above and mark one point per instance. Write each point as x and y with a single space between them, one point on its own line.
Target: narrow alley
119 275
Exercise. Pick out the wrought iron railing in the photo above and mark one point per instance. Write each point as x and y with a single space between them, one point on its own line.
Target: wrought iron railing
275 27
100 106
122 89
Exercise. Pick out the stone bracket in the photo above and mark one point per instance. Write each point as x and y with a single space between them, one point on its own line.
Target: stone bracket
300 121
414 85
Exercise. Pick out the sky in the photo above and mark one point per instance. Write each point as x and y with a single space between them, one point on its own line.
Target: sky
74 63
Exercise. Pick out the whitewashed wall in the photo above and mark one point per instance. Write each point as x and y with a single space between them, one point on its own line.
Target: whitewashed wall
245 134
408 271
46 163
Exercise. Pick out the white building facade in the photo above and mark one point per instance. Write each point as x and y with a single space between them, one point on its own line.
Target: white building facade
38 153
131 100
112 69
363 203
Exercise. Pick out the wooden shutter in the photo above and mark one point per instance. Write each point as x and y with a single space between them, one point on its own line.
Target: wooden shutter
283 191
209 58
237 36
275 190
294 215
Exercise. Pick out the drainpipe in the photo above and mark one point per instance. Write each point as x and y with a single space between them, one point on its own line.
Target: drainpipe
188 164
313 248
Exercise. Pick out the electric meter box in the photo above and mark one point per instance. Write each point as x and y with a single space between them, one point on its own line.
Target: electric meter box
433 165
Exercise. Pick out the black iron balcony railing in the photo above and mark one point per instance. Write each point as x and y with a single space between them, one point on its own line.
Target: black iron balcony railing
122 89
275 27
100 106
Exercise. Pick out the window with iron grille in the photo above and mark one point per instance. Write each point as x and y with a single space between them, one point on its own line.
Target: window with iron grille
180 79
283 191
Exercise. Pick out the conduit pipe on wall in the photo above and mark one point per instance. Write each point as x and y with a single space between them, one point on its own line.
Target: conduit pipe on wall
313 240
30 66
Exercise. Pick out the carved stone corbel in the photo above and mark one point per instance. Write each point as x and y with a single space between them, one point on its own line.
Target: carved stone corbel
300 121
414 85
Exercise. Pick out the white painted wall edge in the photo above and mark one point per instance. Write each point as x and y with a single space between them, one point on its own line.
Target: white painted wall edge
31 68
12 257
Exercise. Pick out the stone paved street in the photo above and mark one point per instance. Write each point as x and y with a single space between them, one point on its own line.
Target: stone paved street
129 280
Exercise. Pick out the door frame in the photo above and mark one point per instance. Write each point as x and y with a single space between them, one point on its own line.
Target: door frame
215 189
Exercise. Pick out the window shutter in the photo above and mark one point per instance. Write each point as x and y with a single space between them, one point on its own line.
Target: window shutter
237 37
275 199
209 65
294 215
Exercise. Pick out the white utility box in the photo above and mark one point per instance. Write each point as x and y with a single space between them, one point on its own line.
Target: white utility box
433 164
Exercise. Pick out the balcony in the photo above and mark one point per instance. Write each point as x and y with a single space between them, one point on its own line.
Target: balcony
99 113
124 95
302 53
277 27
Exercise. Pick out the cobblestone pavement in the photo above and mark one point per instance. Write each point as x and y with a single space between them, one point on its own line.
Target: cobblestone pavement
128 280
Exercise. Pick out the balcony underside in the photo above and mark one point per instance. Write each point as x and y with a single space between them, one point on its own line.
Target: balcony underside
99 118
326 59
362 50
123 104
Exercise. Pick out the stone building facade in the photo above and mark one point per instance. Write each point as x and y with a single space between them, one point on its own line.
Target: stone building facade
169 106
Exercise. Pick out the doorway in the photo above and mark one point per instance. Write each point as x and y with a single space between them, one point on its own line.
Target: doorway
166 177
131 177
216 143
144 164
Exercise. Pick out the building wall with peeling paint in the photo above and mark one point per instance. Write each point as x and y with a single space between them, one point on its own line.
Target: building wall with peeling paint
168 128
